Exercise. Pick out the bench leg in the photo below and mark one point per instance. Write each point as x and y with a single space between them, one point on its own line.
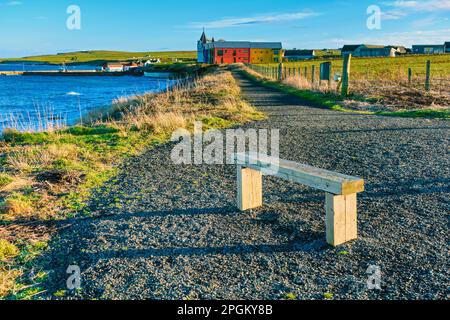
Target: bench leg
249 184
341 221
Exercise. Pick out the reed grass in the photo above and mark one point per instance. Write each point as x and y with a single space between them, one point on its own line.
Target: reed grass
50 174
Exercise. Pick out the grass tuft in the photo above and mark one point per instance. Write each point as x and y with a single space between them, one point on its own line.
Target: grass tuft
56 171
7 250
5 180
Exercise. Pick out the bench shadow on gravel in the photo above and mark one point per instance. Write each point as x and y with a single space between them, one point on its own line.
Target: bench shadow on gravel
68 248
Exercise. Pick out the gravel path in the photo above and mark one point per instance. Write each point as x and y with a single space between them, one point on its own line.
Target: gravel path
172 232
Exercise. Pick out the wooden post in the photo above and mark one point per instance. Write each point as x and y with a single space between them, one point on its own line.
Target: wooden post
306 73
341 218
409 76
427 79
313 74
346 75
249 185
280 72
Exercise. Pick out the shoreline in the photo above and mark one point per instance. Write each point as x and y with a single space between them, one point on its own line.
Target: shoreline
60 122
49 177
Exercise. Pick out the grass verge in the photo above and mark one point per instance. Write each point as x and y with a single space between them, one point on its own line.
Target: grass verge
334 101
48 176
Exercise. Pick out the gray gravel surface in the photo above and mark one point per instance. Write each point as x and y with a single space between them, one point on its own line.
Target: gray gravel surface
162 231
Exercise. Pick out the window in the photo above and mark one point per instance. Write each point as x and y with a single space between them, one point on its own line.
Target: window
220 53
276 60
234 53
276 52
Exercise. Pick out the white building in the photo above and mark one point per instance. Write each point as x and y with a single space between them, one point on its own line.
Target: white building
113 67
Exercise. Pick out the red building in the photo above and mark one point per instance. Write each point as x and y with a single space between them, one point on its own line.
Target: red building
222 52
231 55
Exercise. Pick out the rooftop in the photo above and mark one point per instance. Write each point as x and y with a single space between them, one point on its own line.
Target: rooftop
244 44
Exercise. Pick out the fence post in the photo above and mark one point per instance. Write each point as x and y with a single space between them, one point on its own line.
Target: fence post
313 74
346 74
409 76
306 73
427 80
280 72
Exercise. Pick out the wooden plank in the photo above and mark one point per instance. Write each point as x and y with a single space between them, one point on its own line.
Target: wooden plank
341 218
249 185
351 217
324 180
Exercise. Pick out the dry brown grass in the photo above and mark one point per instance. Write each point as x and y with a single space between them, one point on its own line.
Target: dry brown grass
212 95
17 208
306 84
51 166
8 278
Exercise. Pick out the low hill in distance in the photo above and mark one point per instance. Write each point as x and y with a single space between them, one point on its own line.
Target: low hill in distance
101 56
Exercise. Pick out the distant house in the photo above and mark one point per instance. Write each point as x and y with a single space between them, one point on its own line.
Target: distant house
374 51
113 67
428 49
349 49
369 50
152 61
130 66
447 47
295 55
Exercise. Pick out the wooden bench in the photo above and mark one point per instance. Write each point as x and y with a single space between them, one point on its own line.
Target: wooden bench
341 191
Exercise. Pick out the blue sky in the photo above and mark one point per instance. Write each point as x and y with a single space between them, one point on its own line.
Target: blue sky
29 27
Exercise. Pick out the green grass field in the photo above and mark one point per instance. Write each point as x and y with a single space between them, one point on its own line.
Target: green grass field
385 68
98 57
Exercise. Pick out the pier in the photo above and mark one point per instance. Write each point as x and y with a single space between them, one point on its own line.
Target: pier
71 73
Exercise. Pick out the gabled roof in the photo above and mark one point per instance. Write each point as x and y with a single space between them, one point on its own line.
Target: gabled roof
292 53
351 47
428 45
228 45
244 45
113 64
373 46
266 45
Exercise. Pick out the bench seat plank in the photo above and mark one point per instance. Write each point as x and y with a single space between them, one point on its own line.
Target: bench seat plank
328 181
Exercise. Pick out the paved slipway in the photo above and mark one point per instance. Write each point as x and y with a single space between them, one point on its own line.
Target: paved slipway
162 231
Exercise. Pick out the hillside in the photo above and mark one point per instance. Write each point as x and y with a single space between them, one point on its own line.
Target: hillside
97 57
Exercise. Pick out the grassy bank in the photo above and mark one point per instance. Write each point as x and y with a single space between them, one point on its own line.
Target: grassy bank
331 100
385 68
48 176
100 56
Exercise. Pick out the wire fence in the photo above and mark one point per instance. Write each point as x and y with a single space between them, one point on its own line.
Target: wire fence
437 80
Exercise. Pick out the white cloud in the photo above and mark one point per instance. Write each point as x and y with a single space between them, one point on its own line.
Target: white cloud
11 3
393 14
427 5
261 19
401 8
